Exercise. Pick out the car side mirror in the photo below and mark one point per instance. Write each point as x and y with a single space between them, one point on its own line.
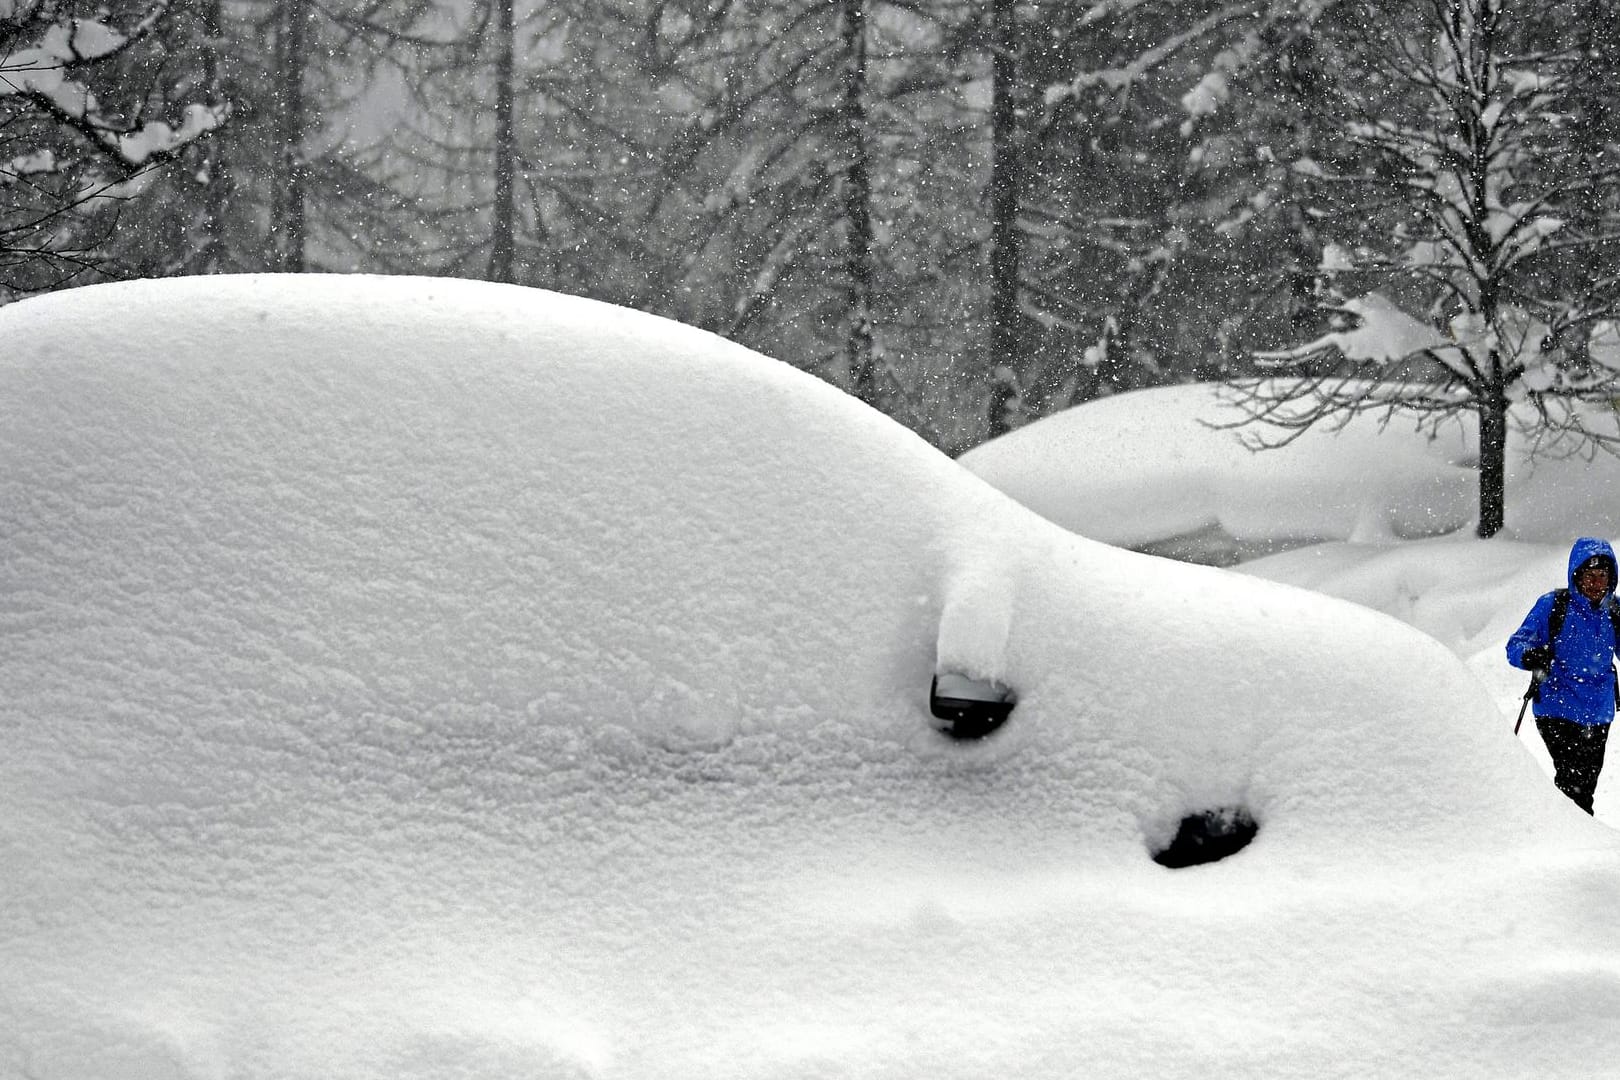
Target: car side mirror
966 708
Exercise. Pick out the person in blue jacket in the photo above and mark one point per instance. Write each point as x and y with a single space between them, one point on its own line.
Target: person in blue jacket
1575 699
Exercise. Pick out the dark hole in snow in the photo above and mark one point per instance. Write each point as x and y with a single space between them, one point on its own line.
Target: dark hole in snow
1208 837
966 708
1214 546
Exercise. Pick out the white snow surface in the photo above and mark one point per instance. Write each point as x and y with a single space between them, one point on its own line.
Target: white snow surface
420 678
1165 465
1379 514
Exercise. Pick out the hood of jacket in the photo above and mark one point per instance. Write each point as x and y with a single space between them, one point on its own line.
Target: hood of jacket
1585 548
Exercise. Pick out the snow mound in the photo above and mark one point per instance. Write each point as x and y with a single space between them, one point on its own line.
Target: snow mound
410 677
1156 470
1381 515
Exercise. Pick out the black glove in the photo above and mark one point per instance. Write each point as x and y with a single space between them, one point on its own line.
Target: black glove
1539 658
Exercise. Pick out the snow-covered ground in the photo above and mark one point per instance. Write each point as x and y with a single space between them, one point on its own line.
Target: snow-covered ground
1380 514
411 678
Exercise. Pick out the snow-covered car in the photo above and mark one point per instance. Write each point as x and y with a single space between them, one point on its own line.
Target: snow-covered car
424 678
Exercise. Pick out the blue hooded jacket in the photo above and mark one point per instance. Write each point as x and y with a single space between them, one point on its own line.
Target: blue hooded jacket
1580 687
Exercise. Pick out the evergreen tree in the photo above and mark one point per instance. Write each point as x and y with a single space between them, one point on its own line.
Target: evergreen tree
1143 181
94 103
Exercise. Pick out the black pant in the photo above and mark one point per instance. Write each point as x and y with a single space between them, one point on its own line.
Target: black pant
1577 754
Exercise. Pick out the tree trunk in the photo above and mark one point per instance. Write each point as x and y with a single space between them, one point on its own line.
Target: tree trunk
288 221
859 349
1005 183
504 214
211 253
1492 464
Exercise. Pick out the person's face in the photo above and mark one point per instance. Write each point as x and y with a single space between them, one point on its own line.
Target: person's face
1593 581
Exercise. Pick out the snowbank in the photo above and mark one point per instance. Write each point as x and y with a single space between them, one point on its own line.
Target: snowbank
1162 469
1379 515
425 678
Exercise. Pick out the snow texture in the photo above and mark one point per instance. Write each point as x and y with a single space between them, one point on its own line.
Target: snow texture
414 678
1157 466
1382 515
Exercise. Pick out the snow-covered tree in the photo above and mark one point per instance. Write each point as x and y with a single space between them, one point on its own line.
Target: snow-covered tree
1130 174
1472 223
495 171
307 81
770 178
93 103
767 169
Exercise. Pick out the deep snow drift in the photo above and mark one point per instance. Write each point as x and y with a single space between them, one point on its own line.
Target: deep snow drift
428 678
1382 515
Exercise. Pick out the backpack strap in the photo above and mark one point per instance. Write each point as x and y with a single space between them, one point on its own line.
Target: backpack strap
1560 611
1614 672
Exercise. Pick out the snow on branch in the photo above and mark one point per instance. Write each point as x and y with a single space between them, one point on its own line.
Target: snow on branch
1277 410
1378 331
1148 60
43 74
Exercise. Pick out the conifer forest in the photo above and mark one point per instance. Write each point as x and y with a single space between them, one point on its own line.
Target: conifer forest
968 213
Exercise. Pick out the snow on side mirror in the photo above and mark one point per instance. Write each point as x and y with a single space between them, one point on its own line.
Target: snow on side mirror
967 708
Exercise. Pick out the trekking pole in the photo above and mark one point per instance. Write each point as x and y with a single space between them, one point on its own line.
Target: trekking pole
1529 696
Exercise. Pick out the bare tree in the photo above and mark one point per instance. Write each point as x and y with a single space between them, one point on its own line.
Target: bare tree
1467 188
